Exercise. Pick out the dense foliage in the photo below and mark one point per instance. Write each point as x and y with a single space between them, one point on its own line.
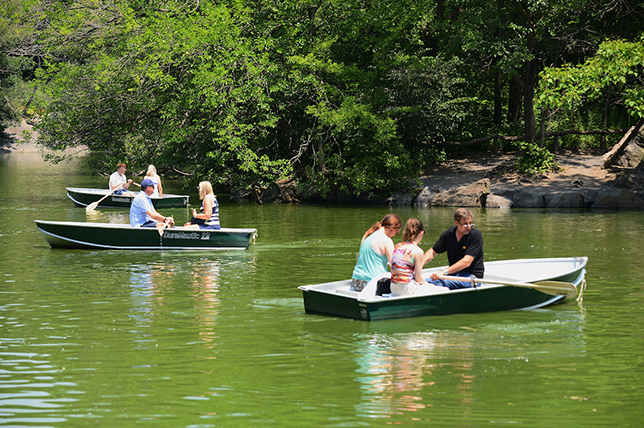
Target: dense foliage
347 96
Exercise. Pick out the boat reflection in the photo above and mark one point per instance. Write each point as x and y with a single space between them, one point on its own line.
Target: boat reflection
205 289
403 373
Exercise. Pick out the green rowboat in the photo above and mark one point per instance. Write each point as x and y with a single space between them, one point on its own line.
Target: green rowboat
336 298
80 235
83 197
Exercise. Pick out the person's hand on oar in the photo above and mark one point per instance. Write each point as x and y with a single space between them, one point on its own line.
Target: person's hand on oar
168 222
93 205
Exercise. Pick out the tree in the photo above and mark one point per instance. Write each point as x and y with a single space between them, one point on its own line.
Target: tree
16 60
616 68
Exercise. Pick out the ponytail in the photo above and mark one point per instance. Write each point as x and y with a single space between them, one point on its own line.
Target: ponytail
388 221
412 228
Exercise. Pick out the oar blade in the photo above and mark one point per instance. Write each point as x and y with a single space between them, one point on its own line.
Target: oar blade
92 206
557 288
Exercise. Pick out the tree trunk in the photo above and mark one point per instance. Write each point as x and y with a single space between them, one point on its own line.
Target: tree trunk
542 139
514 102
528 104
498 100
602 141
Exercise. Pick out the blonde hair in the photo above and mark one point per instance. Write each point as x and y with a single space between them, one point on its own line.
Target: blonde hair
205 188
152 171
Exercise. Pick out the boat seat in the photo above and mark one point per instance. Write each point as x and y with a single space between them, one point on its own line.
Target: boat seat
345 292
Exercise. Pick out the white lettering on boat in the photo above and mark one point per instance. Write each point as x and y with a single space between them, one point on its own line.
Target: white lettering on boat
181 235
126 200
205 236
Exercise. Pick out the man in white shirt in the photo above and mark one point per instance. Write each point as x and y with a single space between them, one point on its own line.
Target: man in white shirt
118 179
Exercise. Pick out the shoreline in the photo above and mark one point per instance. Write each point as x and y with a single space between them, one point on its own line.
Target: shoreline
488 179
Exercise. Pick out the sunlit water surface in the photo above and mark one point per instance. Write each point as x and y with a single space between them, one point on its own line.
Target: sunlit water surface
220 339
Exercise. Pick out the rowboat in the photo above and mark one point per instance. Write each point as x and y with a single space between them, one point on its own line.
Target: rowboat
85 235
507 285
83 197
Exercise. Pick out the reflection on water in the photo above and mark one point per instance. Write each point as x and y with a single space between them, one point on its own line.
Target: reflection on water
107 216
406 372
153 283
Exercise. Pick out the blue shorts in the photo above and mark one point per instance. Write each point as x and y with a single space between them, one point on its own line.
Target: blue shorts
119 192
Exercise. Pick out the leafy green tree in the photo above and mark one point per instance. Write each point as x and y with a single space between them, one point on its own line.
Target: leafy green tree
617 69
172 83
368 99
343 95
16 61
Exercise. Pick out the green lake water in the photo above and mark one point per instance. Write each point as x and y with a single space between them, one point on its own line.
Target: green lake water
220 339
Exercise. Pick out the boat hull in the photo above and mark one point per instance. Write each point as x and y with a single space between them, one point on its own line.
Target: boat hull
83 197
79 235
336 299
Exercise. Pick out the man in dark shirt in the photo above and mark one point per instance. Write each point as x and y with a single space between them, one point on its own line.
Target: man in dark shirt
464 246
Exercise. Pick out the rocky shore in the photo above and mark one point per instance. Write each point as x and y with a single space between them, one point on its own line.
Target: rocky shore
490 181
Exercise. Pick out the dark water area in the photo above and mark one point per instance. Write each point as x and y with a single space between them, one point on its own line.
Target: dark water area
220 339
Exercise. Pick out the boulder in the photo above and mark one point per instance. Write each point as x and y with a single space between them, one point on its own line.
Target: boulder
525 199
590 196
565 200
424 198
628 199
473 195
398 198
606 201
633 180
496 201
633 154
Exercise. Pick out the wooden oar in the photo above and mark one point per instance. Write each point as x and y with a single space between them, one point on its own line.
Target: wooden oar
556 288
93 205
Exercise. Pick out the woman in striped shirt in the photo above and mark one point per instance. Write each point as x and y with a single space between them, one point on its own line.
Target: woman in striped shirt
208 218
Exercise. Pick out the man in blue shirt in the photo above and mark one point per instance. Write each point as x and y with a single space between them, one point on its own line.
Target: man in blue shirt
142 212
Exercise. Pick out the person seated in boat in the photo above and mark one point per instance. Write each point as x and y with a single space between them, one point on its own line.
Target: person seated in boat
208 217
464 246
119 181
142 212
152 175
407 261
376 249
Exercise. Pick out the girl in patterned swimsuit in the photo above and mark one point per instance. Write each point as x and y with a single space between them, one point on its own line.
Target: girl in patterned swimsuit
407 261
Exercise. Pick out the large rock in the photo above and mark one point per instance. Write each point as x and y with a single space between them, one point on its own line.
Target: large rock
629 200
525 199
633 180
606 201
496 201
404 199
590 196
424 198
633 154
565 200
473 195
